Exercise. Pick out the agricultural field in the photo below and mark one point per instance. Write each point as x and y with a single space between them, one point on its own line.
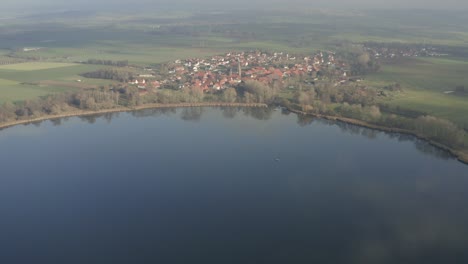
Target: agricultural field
25 81
14 92
136 54
34 66
428 85
54 73
434 74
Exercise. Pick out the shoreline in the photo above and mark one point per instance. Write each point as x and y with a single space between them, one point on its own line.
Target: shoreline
123 109
459 155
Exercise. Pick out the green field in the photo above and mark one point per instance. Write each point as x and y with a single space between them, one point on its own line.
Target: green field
21 92
12 91
435 74
4 82
46 74
137 54
18 84
424 81
33 66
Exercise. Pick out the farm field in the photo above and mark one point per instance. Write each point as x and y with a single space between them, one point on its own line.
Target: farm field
19 92
426 82
56 73
435 74
33 66
451 107
137 54
25 81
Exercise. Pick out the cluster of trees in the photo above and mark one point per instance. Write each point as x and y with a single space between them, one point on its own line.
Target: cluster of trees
440 130
6 60
360 61
362 64
248 92
360 103
59 104
123 63
95 100
256 92
396 87
437 129
51 105
23 57
327 93
110 74
229 95
184 95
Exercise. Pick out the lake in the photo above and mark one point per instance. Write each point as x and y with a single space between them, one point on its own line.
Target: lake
226 185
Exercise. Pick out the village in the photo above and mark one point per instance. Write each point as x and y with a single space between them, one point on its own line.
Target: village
228 70
398 50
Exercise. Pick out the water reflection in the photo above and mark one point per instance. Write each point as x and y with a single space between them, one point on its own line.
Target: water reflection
230 112
154 112
37 124
57 121
285 111
428 149
90 119
191 113
356 130
108 116
260 113
304 120
350 128
195 114
421 145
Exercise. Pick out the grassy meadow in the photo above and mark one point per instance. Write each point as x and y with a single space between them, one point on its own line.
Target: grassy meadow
12 91
34 66
427 84
23 81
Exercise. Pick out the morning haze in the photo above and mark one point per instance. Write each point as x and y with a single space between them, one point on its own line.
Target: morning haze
242 4
241 131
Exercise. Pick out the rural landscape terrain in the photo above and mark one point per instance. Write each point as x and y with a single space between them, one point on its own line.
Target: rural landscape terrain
402 71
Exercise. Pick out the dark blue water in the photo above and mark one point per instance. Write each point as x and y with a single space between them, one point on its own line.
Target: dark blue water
207 185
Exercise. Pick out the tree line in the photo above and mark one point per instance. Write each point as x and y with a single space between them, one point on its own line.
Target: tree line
110 74
362 104
59 104
123 63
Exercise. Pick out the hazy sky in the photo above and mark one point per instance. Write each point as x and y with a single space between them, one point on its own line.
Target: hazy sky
89 4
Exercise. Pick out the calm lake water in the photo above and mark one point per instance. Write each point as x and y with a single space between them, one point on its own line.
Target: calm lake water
205 185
